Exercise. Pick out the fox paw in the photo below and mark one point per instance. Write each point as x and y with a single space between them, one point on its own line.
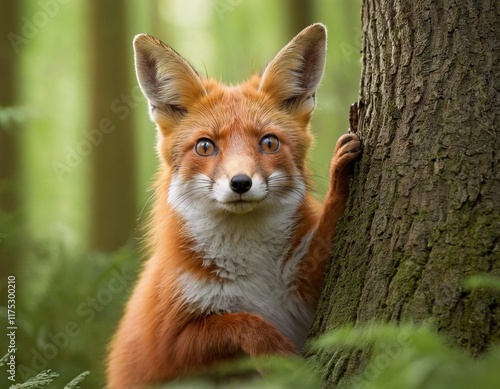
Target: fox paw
347 151
277 344
263 339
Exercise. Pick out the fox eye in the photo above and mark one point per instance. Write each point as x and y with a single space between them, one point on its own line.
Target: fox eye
269 144
205 148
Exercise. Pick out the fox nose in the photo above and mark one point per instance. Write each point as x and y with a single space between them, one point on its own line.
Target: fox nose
241 183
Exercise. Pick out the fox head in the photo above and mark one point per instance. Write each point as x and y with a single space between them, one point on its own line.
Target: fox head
234 148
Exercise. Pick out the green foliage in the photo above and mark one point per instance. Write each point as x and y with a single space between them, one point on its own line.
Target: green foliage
47 377
409 357
68 304
44 378
404 356
39 381
264 373
75 382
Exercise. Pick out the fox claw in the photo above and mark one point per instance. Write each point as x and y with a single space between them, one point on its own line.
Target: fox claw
348 150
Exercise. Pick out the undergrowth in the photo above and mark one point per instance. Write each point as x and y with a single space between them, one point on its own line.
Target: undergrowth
69 302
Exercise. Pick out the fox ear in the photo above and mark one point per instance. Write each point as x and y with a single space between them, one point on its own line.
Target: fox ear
293 76
167 80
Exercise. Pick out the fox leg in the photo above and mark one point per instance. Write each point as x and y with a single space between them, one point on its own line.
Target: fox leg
312 268
219 337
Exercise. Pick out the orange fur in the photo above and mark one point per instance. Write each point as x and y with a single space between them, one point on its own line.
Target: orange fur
195 303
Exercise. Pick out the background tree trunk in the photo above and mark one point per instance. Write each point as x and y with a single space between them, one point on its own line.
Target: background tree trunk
424 210
300 15
10 170
113 168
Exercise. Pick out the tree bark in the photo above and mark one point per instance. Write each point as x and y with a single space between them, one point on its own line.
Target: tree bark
113 168
424 209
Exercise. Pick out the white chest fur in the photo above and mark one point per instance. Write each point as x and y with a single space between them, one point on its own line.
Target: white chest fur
250 260
247 252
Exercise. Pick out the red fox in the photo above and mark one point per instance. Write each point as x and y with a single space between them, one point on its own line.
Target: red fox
238 244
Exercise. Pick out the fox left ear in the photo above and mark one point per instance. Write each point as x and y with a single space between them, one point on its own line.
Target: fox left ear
167 80
293 76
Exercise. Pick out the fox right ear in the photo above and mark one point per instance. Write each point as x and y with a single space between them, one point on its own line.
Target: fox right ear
293 76
167 80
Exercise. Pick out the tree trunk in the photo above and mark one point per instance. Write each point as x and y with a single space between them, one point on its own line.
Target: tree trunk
300 14
424 210
113 168
10 148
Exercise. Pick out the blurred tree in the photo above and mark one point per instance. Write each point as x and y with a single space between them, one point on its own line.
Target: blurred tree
154 17
424 211
9 140
300 14
113 164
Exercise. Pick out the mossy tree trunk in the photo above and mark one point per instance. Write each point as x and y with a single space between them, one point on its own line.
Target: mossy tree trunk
424 210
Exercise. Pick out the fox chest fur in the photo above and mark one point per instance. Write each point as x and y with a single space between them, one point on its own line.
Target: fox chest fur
255 263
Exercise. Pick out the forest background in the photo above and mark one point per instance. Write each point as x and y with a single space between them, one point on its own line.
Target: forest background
77 149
